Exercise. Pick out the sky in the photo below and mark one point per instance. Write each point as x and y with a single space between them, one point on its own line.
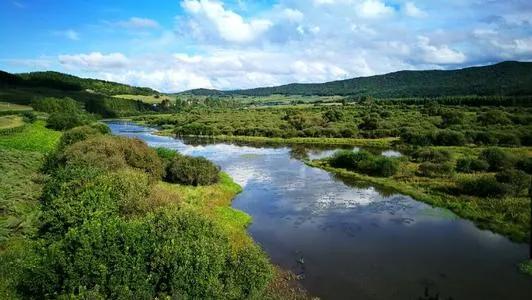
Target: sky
173 45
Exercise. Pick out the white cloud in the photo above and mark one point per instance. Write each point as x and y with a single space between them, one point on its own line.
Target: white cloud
94 60
412 10
137 23
229 25
439 55
292 15
69 34
374 9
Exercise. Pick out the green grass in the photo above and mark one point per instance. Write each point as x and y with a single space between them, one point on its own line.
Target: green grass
34 137
509 216
11 121
20 188
4 106
215 202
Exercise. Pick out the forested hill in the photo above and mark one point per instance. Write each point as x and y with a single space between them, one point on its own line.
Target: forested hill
95 95
60 81
505 78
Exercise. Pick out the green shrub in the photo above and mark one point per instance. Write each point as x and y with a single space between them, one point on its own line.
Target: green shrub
525 164
192 171
494 117
113 153
470 165
365 162
72 195
497 159
430 169
29 116
166 154
416 138
370 122
449 138
433 155
172 253
516 181
348 159
483 186
64 121
507 139
78 134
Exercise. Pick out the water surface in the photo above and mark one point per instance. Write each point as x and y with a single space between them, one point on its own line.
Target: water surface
349 240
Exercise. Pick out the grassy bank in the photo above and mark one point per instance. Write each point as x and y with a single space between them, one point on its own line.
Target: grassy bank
370 143
211 236
34 137
509 217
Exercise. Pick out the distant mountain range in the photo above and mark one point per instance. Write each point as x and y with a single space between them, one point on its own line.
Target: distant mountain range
505 78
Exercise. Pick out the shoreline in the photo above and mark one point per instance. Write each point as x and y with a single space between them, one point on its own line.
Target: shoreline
460 206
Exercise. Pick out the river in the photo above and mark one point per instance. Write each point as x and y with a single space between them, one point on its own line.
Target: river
349 240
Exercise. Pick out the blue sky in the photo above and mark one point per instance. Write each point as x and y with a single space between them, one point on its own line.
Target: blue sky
174 45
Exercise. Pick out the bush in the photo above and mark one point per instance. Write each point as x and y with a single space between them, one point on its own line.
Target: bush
81 133
494 117
451 117
517 181
507 139
113 153
449 138
430 169
483 138
497 159
433 155
470 165
483 186
64 121
348 159
29 116
192 171
525 164
365 162
171 253
371 122
416 138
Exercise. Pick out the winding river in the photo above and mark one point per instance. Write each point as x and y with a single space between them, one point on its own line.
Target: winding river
348 240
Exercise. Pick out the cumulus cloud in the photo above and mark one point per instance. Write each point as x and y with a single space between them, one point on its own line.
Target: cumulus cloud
374 9
228 45
412 10
94 61
439 54
229 25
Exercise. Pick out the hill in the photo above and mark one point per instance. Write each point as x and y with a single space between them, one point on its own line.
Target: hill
96 95
506 78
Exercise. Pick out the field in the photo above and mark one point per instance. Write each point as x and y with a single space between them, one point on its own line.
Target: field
10 121
4 106
34 137
150 99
